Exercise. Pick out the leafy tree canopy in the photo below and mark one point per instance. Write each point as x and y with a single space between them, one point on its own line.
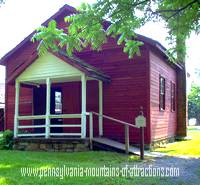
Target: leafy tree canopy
120 19
1 2
194 103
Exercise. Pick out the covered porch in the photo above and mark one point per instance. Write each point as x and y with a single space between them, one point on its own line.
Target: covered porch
45 72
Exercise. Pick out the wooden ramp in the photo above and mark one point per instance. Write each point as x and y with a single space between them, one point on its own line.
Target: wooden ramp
103 142
109 144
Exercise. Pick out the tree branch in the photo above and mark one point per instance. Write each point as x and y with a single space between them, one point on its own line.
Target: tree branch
121 10
174 11
183 8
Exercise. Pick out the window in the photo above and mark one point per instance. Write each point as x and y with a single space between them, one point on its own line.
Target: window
58 102
162 93
173 95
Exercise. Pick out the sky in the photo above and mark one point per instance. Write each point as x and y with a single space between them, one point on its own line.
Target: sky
19 18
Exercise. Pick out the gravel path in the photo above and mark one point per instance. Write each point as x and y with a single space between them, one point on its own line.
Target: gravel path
189 168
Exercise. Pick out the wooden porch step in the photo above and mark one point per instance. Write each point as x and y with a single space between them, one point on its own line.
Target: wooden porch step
115 145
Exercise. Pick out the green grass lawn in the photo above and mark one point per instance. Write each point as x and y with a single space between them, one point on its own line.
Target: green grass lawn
12 161
190 148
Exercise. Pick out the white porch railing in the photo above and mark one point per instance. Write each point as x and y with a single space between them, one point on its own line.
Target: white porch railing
65 116
80 116
38 117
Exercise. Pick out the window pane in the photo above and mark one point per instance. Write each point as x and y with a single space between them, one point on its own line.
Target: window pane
162 93
162 85
161 102
58 102
173 95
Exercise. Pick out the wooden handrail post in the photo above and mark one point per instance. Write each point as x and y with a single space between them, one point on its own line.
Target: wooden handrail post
91 130
142 143
127 139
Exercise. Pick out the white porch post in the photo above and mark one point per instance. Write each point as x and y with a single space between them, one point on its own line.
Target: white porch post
16 121
83 118
48 97
100 108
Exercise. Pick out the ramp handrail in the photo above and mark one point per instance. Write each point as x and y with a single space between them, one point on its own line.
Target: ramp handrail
114 119
126 124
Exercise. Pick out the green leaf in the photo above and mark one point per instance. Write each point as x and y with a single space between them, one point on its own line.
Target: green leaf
121 39
52 25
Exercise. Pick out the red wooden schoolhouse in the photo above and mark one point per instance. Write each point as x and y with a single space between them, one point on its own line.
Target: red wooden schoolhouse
55 95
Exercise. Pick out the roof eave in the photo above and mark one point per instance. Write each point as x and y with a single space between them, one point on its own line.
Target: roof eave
90 70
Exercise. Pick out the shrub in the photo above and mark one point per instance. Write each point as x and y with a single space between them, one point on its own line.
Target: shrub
6 140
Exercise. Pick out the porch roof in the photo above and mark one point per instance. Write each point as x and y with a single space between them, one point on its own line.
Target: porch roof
73 61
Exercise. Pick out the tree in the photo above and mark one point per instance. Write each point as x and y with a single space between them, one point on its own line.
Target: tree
1 2
194 103
88 27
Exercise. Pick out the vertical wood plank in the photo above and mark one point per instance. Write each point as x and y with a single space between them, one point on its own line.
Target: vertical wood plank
16 121
141 143
181 104
48 99
100 108
91 130
126 139
83 119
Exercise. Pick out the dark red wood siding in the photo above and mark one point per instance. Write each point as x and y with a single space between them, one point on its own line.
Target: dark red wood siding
25 105
163 123
127 91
